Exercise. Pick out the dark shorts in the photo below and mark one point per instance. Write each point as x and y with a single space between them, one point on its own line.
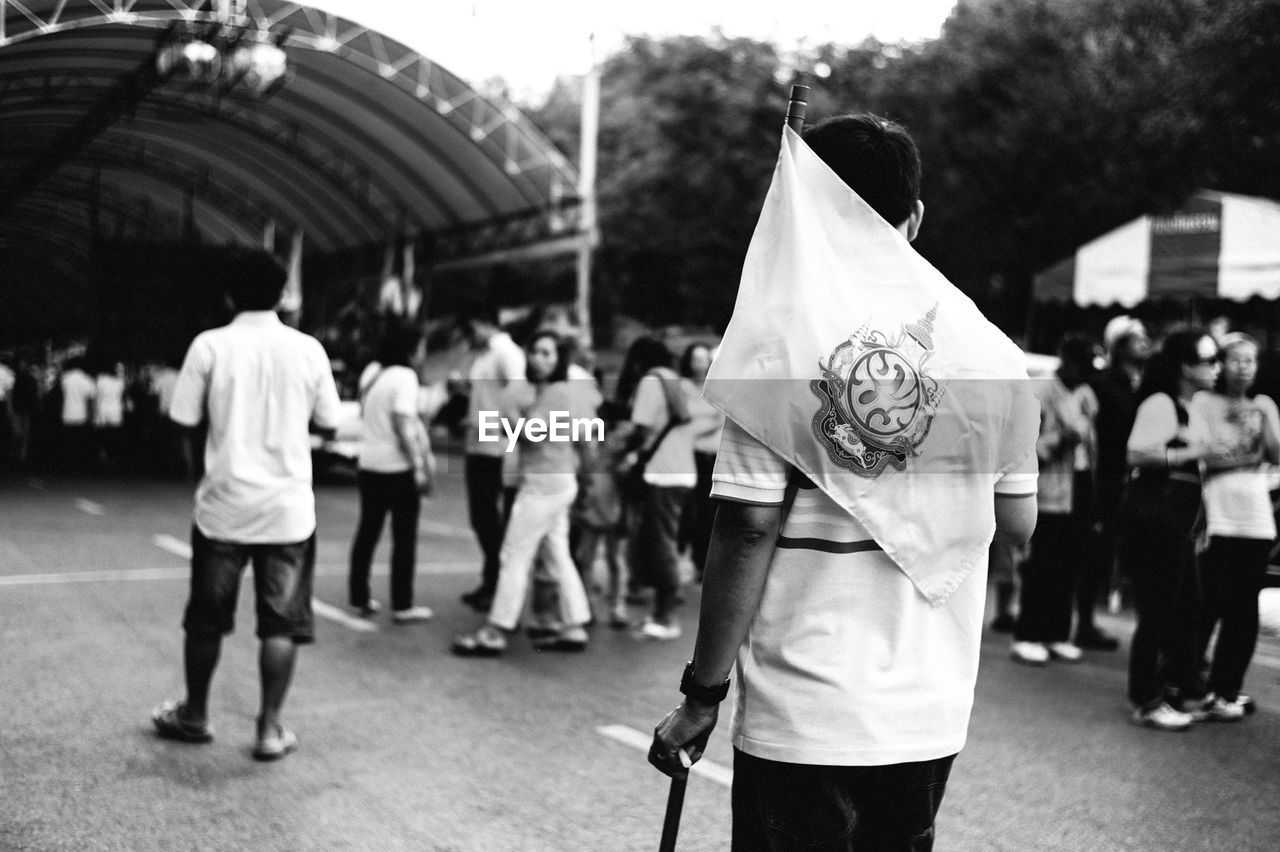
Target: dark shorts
782 806
282 580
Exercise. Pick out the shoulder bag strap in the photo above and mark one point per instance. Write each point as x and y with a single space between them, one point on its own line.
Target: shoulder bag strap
364 391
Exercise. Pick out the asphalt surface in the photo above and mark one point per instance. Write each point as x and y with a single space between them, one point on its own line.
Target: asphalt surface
404 746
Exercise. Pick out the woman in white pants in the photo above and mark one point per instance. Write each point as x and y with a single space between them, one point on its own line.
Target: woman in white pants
548 484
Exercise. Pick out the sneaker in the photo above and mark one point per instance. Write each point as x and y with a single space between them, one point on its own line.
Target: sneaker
276 744
369 610
1162 717
1096 640
412 614
488 641
1247 703
1029 653
1215 708
1065 652
657 632
619 617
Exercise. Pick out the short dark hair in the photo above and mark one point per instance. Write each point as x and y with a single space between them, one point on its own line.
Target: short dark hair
486 313
1079 351
254 279
560 372
876 157
397 345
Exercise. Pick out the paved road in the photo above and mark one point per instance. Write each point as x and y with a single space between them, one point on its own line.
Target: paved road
407 747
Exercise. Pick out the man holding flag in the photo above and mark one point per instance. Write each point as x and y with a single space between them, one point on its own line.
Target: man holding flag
879 434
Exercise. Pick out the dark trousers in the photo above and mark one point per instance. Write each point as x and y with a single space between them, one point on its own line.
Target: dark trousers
381 493
1048 579
655 557
1161 563
785 806
699 513
1098 555
484 507
1233 573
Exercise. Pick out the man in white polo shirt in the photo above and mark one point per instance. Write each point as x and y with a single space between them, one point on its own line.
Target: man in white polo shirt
847 569
259 385
498 362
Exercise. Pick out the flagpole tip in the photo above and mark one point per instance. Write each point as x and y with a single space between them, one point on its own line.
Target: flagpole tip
797 106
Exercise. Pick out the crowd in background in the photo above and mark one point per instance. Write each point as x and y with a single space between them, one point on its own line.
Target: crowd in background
627 499
1179 524
76 413
1157 467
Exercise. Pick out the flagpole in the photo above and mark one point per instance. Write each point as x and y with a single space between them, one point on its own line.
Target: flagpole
797 107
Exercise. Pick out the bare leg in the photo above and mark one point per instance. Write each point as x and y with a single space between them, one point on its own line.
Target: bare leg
276 657
200 658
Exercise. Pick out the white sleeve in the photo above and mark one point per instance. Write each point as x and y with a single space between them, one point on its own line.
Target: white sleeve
650 407
511 363
1155 424
189 391
327 413
404 398
746 470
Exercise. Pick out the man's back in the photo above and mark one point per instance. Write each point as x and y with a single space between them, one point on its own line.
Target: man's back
259 384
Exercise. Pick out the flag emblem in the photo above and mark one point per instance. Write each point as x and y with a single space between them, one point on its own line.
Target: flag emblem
877 400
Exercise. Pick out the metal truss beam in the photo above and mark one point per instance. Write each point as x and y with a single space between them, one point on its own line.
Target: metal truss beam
519 149
316 153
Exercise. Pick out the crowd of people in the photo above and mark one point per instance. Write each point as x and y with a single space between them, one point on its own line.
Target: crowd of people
546 513
1161 465
82 414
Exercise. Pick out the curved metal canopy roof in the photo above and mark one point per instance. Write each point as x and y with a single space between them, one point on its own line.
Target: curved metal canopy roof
368 140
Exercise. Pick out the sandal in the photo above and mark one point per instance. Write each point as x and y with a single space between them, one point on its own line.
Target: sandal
171 726
569 639
485 642
276 745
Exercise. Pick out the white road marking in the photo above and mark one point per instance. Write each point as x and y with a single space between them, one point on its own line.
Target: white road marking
630 736
443 530
123 574
89 507
332 613
169 544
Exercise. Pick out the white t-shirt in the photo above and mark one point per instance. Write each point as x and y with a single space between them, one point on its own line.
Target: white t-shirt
386 393
1236 501
672 466
7 379
162 384
77 392
259 383
501 363
846 663
708 420
1156 424
109 410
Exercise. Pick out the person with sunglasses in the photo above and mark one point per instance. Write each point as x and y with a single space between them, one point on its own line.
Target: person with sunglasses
1165 448
1244 432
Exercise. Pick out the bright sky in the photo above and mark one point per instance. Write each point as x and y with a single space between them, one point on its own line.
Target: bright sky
529 43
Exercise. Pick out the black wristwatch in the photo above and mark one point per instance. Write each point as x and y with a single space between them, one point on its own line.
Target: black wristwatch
699 693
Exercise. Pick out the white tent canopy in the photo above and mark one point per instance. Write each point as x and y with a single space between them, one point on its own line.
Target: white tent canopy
1216 245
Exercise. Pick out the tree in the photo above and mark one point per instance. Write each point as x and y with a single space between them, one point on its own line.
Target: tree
1041 124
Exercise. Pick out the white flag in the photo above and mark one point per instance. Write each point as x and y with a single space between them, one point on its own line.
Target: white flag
855 360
